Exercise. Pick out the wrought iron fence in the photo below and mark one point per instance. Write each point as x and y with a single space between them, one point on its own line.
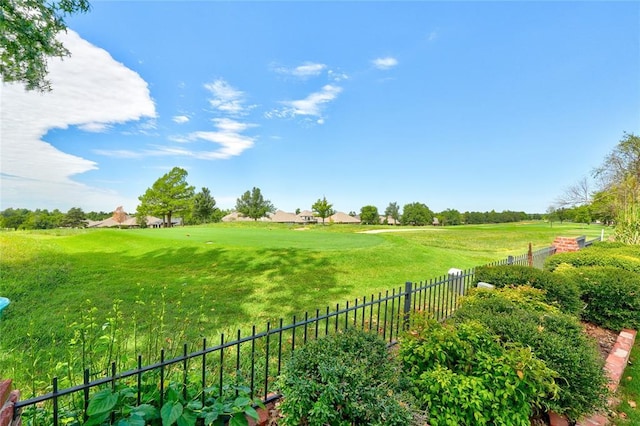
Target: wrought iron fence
256 358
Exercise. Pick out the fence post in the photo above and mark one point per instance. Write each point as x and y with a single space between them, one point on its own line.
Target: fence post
509 260
408 286
530 256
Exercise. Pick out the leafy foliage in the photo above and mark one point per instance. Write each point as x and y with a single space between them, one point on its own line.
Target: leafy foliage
29 37
417 214
204 205
369 215
617 255
323 209
464 376
611 296
252 204
342 379
393 211
558 290
519 315
74 218
168 195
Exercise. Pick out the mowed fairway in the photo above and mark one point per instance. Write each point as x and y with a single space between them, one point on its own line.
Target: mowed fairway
201 281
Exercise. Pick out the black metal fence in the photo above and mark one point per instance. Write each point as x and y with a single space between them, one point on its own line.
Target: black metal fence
257 357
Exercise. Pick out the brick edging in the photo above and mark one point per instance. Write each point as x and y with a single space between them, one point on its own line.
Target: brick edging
614 367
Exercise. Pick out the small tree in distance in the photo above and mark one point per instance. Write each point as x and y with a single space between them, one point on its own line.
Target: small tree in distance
119 216
323 209
252 204
393 211
369 215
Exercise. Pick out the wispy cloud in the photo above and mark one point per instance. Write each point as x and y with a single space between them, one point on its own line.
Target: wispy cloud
226 99
90 90
180 119
306 70
311 106
385 63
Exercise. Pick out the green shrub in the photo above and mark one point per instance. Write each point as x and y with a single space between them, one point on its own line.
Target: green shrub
611 296
463 375
519 315
559 290
343 379
615 255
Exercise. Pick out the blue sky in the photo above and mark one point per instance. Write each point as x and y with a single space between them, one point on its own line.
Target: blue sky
467 105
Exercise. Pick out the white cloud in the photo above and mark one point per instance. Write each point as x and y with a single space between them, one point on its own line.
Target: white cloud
226 99
306 70
312 105
385 63
90 90
180 119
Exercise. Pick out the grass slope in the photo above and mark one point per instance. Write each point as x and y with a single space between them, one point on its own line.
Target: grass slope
200 281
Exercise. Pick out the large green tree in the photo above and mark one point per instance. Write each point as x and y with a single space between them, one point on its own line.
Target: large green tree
369 215
252 204
28 37
323 209
417 214
75 218
168 195
619 176
204 206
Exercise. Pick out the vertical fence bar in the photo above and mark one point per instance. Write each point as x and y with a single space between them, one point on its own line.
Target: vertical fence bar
139 379
266 363
326 322
407 304
371 314
204 368
386 305
221 368
364 309
346 316
253 359
280 347
317 323
293 335
161 377
337 315
238 351
54 384
184 371
85 382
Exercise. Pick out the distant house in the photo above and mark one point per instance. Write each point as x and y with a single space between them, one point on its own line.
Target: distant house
340 217
303 218
389 220
130 222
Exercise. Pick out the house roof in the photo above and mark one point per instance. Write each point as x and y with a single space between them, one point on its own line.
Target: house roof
340 217
284 217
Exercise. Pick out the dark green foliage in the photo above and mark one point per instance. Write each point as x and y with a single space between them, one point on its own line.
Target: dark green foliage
616 255
463 375
342 379
559 290
519 315
611 296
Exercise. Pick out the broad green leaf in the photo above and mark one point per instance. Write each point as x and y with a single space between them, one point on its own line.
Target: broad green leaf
188 418
238 420
170 412
102 402
97 419
251 412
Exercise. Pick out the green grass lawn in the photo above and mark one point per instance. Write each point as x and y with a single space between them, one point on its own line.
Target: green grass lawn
189 282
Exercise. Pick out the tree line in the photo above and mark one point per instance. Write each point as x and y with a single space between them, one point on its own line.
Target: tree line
616 197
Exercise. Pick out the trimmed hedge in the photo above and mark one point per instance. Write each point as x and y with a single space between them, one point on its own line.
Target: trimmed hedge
611 296
519 315
559 290
464 376
614 255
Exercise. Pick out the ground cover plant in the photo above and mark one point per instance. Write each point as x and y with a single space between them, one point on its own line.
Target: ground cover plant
157 288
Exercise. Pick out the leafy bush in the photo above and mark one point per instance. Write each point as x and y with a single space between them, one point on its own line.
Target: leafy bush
611 296
519 315
559 290
615 255
463 375
342 379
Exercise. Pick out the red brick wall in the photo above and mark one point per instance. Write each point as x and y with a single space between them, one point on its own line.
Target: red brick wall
8 398
566 244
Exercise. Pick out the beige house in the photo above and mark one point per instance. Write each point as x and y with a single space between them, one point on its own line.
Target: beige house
302 218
